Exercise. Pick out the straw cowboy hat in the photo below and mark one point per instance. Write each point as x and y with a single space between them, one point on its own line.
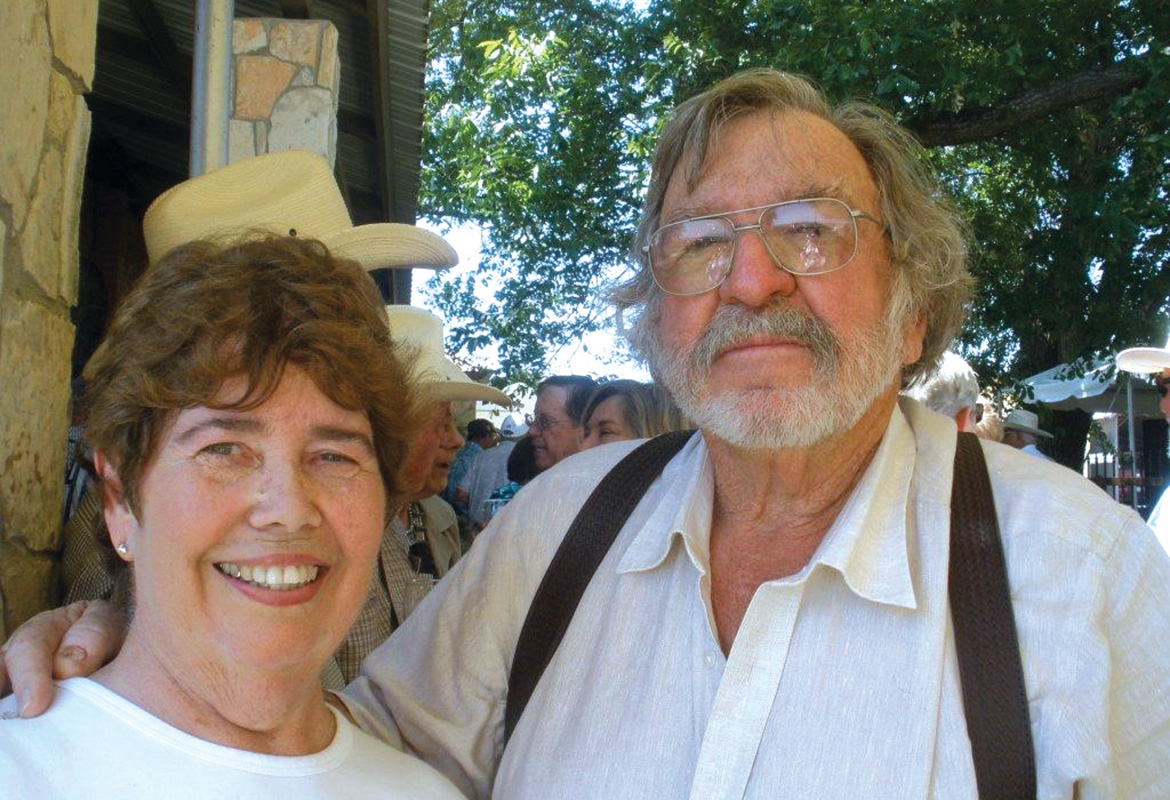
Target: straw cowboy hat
1144 359
291 192
1019 419
420 334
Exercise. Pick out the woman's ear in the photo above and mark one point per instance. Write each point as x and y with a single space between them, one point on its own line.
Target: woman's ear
121 522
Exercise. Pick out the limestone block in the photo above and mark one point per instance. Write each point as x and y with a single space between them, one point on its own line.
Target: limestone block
248 36
262 137
62 106
28 583
301 121
24 99
328 73
305 77
259 81
3 249
40 240
35 345
73 28
295 41
241 140
76 147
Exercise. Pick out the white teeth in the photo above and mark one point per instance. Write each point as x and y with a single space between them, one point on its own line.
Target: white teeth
275 577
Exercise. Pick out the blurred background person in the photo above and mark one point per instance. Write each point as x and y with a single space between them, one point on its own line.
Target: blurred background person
558 416
521 469
421 541
1021 429
481 436
1155 362
489 470
626 409
952 390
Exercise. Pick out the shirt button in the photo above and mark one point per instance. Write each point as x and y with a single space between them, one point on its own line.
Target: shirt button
709 661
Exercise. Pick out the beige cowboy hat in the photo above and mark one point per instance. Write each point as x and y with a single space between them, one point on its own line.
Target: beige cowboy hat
292 192
1019 419
1144 359
420 333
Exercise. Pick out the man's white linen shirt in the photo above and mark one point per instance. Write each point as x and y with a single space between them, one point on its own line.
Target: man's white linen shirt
842 681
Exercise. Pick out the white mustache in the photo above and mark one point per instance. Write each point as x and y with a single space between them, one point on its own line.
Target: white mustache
732 325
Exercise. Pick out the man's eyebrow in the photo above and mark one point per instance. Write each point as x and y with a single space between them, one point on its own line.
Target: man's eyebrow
802 192
231 424
333 433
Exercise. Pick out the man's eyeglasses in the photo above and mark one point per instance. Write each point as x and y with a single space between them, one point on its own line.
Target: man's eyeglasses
544 422
805 237
1162 385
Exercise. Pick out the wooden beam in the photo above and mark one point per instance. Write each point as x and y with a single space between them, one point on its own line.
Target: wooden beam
397 288
174 64
295 9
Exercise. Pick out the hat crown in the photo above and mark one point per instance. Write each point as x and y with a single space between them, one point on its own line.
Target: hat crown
1022 416
291 192
420 334
512 428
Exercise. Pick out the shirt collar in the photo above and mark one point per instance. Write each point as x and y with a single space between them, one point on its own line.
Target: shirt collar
867 544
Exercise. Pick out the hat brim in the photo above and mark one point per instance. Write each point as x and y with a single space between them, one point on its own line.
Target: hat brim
1015 426
1144 359
391 245
450 391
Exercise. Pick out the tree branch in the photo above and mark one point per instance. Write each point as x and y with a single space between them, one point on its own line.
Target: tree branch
980 124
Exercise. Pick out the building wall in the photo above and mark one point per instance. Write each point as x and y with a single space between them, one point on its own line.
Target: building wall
48 48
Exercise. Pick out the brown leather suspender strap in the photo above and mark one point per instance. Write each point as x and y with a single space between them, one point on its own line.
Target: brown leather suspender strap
990 671
572 567
985 633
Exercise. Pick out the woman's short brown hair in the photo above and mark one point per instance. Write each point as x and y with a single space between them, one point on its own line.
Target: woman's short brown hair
210 311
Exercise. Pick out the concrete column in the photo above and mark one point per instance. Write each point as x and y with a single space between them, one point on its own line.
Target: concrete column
48 48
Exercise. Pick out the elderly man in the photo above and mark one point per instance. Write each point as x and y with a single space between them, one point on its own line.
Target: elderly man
1021 430
556 428
773 619
1154 361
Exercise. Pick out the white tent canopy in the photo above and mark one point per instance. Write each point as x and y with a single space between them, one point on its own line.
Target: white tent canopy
1100 389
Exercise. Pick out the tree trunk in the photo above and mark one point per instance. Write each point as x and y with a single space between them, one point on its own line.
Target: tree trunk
1069 429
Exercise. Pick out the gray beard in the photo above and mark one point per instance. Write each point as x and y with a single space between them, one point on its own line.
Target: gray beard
847 379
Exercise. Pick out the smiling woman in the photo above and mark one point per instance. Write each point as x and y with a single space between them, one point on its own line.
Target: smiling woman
247 414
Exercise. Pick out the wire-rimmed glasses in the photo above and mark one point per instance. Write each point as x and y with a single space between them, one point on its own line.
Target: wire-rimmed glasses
812 236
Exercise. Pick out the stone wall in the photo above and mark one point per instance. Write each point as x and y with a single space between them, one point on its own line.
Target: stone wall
48 48
285 79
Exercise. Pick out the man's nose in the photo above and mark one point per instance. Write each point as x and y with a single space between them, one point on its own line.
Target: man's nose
755 278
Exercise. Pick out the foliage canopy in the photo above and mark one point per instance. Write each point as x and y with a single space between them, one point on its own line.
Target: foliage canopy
1047 118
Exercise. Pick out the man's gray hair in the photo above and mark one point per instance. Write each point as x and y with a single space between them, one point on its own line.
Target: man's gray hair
953 387
928 252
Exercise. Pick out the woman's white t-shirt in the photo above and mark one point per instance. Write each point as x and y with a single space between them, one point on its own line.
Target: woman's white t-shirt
93 743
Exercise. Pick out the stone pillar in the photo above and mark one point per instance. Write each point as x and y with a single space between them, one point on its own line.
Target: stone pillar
285 75
48 48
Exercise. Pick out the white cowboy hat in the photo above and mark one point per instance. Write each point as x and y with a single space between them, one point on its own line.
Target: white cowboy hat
1019 419
421 334
291 192
1144 359
513 427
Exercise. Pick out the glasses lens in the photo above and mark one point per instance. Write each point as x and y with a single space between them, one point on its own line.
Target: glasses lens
691 256
810 237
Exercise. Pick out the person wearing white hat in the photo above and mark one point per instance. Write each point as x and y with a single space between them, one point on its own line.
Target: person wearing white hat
421 539
489 470
1021 429
1154 361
